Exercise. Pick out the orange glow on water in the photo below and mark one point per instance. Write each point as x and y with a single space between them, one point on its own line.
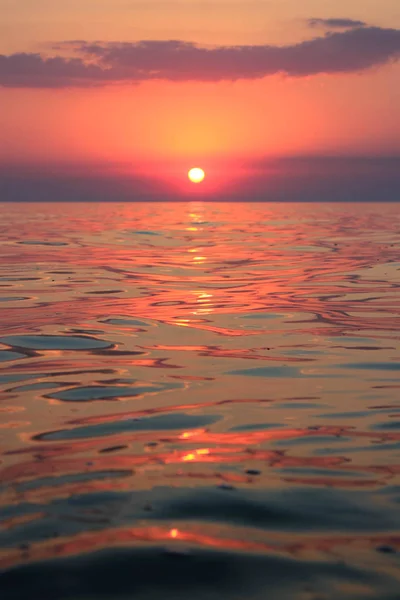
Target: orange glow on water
189 457
196 455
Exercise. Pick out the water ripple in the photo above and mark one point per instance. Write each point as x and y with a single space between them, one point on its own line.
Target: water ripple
200 399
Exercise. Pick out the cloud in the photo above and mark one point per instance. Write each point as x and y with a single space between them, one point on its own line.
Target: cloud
336 23
34 70
352 50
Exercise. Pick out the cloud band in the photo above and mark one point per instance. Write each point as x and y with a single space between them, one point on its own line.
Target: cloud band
351 50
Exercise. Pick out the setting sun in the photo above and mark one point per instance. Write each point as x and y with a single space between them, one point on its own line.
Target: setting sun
196 175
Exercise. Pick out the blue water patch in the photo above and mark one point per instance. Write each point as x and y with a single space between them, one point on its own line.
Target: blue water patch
314 472
55 342
289 509
313 440
299 405
97 392
41 243
127 322
286 509
14 378
372 366
143 232
154 572
373 447
284 372
19 279
69 479
344 415
171 422
388 425
257 427
291 372
12 298
352 339
7 355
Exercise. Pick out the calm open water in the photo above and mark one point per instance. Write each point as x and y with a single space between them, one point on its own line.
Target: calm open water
200 401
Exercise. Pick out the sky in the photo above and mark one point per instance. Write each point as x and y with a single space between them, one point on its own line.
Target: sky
135 92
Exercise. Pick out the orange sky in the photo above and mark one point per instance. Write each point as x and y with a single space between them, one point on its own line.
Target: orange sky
168 123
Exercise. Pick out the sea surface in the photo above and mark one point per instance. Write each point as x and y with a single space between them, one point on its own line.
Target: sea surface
199 401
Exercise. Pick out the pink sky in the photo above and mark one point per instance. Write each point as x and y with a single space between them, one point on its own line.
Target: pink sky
255 80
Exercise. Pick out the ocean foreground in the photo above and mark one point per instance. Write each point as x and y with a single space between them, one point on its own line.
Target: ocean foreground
199 400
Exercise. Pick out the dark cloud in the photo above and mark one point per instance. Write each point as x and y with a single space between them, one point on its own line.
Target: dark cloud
336 23
352 50
33 70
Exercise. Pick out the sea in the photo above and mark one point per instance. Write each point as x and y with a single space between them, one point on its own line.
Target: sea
199 400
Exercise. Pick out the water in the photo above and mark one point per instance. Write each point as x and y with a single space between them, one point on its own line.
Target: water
200 400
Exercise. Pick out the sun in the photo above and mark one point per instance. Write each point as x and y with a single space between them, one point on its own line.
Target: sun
196 175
